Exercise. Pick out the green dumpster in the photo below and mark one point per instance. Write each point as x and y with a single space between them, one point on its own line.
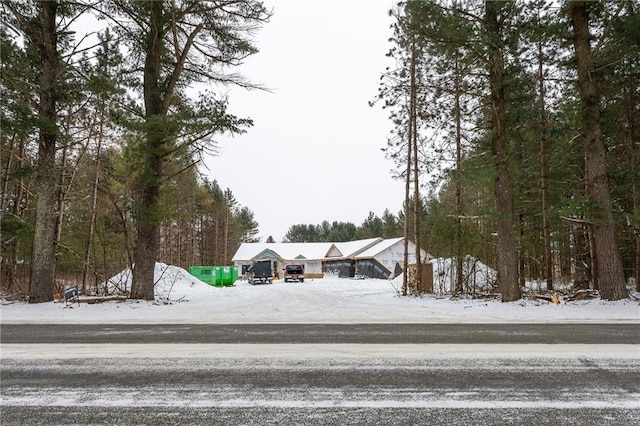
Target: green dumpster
208 274
218 273
229 275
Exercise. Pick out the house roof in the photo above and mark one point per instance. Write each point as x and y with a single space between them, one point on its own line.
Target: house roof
352 248
360 249
287 251
378 248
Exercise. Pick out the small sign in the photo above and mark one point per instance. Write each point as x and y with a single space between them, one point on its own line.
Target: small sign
71 295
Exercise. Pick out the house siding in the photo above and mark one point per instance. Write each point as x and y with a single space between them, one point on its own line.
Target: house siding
343 268
332 260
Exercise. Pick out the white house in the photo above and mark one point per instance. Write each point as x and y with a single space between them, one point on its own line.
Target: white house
380 260
310 255
373 257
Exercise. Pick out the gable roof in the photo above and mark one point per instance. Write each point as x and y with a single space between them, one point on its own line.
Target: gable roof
286 251
378 248
360 249
299 251
267 254
352 248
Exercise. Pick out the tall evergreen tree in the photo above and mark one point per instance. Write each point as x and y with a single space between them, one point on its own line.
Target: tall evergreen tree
177 44
247 225
507 251
610 272
37 23
19 126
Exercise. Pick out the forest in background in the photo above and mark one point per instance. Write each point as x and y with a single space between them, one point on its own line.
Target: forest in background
101 143
497 130
516 131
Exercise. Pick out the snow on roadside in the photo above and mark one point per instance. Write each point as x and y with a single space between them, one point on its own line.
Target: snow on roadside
182 298
172 283
476 275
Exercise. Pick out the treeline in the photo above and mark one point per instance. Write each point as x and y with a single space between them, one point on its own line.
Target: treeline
515 122
102 135
521 119
387 226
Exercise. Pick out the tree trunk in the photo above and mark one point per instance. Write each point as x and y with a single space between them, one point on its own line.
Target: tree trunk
147 219
631 135
544 189
407 191
20 204
507 251
94 200
609 261
458 121
226 236
413 117
61 195
43 255
7 274
522 254
637 266
4 195
630 132
635 190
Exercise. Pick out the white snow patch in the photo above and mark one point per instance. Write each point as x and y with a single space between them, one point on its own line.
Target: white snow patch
346 351
182 298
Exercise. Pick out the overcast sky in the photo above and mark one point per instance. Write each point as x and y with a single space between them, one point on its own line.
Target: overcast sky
314 152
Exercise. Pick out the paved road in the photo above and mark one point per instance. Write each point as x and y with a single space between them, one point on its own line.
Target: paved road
578 374
323 333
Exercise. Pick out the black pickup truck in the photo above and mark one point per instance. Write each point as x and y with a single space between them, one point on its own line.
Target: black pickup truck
260 272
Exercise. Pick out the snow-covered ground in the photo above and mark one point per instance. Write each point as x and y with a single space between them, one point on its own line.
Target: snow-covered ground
286 368
182 298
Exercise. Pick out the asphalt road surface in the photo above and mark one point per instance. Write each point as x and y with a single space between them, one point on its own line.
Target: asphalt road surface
391 374
323 333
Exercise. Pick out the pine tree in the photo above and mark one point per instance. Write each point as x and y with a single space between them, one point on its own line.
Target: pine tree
19 125
177 44
609 263
247 226
507 251
37 23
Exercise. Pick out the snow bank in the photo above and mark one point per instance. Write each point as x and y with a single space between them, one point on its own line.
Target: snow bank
476 276
172 283
182 298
